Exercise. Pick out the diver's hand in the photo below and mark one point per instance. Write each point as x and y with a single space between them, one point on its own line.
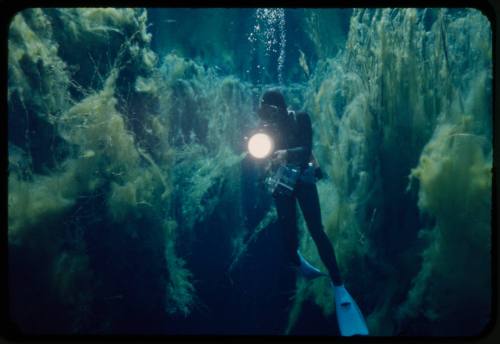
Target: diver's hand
279 155
268 167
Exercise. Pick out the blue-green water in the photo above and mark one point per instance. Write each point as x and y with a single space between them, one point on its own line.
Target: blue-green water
134 209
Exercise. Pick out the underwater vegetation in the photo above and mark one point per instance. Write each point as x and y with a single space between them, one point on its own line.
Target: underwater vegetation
132 207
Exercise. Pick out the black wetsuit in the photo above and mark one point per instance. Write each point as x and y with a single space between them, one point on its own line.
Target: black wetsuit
295 135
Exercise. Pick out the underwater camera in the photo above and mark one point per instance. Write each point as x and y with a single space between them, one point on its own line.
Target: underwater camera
283 181
284 178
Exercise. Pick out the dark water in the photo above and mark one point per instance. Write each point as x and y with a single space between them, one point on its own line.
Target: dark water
133 208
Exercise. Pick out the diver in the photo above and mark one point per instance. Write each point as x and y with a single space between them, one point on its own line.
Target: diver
285 139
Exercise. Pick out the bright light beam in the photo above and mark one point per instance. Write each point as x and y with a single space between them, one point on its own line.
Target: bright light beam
260 145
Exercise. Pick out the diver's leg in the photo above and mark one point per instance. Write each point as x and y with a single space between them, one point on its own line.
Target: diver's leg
287 218
307 195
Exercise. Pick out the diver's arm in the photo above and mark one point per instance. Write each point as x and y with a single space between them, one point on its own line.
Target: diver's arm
296 150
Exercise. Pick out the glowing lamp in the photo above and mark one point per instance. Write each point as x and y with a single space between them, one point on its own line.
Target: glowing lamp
260 145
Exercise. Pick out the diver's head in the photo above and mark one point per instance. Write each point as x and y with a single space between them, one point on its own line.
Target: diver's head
272 106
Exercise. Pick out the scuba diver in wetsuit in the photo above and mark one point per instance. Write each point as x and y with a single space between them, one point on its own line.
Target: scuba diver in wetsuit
293 146
295 180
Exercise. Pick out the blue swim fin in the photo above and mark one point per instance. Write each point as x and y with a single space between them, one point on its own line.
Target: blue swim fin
307 270
349 317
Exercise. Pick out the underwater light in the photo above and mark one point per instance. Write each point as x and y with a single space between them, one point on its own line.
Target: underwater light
260 145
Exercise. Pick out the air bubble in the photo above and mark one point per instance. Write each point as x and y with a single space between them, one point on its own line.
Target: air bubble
270 31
